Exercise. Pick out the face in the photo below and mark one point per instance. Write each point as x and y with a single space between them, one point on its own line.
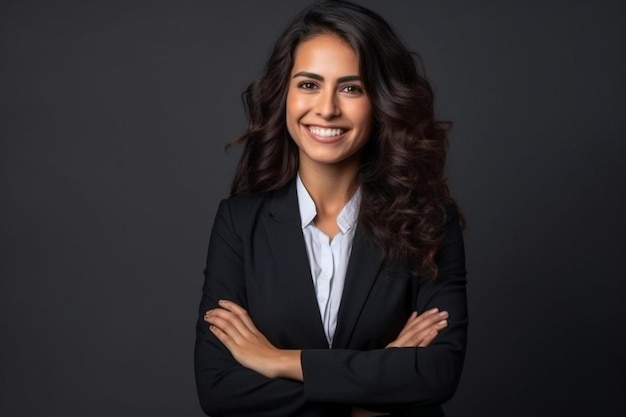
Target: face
329 115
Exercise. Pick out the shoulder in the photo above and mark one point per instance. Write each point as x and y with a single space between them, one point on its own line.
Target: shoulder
246 203
244 210
274 201
240 209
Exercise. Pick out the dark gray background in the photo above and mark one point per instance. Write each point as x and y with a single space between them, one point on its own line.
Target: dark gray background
114 116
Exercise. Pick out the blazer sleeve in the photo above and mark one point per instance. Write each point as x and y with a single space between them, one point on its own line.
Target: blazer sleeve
384 379
225 387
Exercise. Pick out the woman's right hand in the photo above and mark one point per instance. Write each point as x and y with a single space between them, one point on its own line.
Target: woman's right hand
420 330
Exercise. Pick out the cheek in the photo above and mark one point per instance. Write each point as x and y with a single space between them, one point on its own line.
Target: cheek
364 117
291 106
359 111
295 106
292 115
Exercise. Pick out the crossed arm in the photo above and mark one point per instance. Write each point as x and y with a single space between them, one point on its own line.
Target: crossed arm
232 325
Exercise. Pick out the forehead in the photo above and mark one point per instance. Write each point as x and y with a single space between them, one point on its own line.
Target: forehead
326 53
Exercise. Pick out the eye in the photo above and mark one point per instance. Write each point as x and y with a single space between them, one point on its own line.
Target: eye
352 89
307 85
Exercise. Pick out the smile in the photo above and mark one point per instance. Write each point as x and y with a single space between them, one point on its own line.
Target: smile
323 132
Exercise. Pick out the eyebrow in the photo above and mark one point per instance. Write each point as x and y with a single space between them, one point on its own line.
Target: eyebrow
318 77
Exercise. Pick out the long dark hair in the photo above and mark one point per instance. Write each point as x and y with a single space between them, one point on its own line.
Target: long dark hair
404 189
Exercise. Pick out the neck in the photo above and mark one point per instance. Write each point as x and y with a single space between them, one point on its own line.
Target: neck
330 186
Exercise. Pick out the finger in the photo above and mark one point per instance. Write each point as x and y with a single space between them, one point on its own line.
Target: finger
223 337
403 341
431 315
420 321
428 339
426 321
416 335
424 328
425 336
228 323
405 333
240 312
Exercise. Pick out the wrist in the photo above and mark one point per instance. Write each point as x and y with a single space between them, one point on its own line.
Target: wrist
289 364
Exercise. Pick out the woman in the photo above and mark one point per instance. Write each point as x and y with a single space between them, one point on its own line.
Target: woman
335 277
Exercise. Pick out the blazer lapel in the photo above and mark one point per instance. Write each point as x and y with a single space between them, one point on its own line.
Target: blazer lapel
363 268
286 241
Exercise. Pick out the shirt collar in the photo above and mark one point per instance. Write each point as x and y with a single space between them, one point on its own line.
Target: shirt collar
306 203
345 220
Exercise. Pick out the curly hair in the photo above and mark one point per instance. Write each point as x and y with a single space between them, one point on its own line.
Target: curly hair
403 183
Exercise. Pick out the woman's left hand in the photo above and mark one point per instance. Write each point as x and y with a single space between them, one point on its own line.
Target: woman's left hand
232 325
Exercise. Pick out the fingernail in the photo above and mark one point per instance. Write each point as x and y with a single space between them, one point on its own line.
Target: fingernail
443 314
434 310
221 302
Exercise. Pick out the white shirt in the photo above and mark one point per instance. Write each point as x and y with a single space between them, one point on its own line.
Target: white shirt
328 259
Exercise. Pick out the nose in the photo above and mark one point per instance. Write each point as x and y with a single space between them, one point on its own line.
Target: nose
327 105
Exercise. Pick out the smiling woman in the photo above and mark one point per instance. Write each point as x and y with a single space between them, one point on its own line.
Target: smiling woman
329 115
335 276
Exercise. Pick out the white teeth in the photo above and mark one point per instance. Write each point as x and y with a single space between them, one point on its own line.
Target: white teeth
324 132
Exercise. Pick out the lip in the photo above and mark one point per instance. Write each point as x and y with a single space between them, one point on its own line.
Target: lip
326 140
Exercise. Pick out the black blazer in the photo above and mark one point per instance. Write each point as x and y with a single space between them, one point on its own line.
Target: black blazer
257 258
